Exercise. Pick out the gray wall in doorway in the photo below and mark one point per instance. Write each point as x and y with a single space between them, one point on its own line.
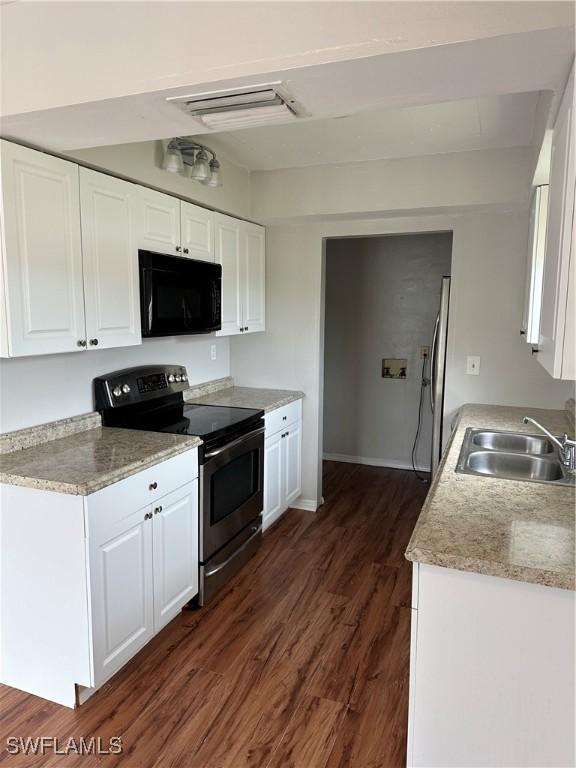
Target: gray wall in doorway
382 296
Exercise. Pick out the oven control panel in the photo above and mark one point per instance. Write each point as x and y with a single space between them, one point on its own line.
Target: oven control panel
134 385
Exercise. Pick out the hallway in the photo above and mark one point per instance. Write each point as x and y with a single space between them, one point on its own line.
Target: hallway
302 661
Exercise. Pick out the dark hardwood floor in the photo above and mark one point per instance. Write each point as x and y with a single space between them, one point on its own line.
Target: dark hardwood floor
302 661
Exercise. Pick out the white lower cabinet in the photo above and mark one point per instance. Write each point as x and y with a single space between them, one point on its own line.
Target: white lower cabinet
175 552
143 569
121 585
491 672
282 461
111 569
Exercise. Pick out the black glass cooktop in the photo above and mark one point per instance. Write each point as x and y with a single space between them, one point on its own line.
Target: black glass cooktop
209 422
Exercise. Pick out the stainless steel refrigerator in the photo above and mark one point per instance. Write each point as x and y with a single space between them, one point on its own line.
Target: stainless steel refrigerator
438 373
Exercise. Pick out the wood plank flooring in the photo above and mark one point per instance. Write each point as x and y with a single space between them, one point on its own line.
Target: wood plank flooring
302 662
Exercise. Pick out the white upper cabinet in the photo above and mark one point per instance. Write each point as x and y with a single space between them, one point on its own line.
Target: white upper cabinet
535 271
255 275
110 255
240 249
158 222
227 251
42 253
196 232
558 321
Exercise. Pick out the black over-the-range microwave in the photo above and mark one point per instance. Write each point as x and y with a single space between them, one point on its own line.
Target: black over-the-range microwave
178 295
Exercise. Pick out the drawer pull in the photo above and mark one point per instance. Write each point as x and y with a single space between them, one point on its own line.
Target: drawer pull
157 510
284 418
148 516
152 486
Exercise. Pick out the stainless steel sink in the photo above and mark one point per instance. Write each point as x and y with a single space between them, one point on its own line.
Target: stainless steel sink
508 441
512 456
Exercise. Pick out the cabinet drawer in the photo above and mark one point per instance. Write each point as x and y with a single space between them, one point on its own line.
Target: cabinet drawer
282 417
108 506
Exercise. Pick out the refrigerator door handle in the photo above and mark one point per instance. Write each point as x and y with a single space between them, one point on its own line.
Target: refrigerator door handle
433 361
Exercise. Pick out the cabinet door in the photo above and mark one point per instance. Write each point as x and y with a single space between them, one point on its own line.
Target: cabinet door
254 277
197 232
559 235
175 552
42 252
122 593
227 252
293 462
110 254
273 479
158 222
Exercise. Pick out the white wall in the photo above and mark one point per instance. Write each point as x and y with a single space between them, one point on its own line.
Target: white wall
34 390
488 263
435 183
142 162
382 296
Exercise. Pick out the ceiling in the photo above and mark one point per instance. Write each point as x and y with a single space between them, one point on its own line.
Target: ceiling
468 124
437 97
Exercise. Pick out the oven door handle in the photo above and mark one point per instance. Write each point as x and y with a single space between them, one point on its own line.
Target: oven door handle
234 443
256 529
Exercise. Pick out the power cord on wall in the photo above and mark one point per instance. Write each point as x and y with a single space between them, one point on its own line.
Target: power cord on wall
423 384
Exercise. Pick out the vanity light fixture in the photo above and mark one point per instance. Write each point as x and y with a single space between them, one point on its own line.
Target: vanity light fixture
200 158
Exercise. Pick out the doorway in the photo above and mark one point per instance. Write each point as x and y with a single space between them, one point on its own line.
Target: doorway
382 295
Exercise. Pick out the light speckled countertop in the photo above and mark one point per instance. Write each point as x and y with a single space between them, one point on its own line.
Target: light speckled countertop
87 461
517 530
248 397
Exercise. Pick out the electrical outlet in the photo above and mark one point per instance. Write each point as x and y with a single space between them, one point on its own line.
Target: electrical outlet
213 352
424 351
473 365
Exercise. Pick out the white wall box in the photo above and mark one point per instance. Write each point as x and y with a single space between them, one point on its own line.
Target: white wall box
557 342
42 253
123 561
282 460
240 249
109 251
535 267
169 225
491 672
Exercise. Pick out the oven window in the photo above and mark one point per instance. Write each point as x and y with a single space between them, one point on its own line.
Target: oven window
233 484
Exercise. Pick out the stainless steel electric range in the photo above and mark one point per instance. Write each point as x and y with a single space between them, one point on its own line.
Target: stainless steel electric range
231 459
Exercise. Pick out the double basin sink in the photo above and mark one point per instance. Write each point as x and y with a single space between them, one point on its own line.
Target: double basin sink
512 456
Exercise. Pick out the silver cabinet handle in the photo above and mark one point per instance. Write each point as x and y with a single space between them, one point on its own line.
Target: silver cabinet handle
152 486
186 250
81 342
157 510
178 249
148 516
93 342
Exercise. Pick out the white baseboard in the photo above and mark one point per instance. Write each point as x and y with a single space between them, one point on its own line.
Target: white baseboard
370 462
310 505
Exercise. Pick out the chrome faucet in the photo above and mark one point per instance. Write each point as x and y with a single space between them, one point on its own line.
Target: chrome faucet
566 447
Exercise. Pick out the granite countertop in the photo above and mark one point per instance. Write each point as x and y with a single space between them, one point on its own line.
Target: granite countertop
514 529
87 461
248 397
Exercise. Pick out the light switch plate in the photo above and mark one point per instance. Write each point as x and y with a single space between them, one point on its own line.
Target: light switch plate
473 365
213 352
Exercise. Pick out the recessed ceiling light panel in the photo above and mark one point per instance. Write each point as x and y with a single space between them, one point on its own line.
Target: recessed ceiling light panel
241 108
